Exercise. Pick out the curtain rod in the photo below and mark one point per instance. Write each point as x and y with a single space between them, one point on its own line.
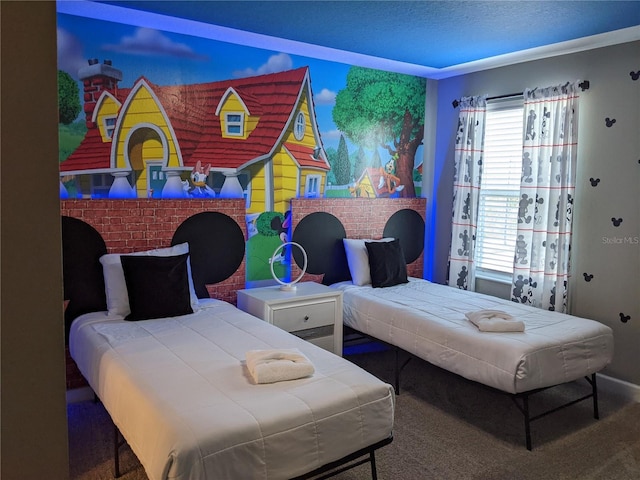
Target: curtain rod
584 85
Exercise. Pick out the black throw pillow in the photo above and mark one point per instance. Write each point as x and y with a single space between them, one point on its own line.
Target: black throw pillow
387 264
158 287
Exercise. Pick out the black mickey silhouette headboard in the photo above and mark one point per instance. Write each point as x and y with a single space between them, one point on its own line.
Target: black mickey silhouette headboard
216 246
82 247
320 225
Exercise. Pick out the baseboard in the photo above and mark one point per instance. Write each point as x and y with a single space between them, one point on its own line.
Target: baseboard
626 390
81 394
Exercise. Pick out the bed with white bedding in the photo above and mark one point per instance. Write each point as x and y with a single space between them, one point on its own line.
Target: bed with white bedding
179 391
428 320
170 364
377 264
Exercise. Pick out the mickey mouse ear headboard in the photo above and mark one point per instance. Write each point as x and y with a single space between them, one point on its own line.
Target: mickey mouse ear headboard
216 246
320 225
321 234
82 247
214 229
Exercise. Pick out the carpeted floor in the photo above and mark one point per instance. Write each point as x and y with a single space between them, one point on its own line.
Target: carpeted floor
445 428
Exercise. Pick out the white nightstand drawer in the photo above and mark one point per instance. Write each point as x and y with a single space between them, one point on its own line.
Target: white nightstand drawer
312 311
306 316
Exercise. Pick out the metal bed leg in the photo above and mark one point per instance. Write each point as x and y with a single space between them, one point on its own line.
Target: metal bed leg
594 390
397 372
374 470
116 451
365 455
399 369
527 420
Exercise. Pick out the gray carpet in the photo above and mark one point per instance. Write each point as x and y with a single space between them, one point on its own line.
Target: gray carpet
445 428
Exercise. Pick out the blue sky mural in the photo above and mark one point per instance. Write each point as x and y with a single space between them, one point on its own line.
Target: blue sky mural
175 59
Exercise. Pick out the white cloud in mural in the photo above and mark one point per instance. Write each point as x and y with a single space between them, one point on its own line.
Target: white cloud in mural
70 56
325 97
275 63
147 41
331 135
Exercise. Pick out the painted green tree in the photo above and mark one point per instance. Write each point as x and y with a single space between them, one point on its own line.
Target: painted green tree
342 168
384 109
68 98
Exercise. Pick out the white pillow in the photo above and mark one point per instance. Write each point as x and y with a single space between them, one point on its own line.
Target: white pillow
116 286
358 259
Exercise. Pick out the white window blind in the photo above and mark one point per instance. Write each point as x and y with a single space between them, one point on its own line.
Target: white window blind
500 187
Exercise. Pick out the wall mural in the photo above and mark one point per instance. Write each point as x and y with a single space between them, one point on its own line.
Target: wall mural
152 114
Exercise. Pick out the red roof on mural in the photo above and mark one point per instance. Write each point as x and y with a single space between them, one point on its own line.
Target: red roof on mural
191 111
304 155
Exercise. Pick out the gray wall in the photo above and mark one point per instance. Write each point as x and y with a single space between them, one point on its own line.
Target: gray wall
32 363
610 254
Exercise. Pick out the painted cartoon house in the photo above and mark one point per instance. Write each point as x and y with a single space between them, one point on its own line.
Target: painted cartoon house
254 137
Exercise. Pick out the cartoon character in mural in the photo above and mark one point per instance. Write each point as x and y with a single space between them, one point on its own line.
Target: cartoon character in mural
388 177
272 231
198 187
361 189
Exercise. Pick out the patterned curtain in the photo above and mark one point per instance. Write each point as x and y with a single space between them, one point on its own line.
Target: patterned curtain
543 240
466 190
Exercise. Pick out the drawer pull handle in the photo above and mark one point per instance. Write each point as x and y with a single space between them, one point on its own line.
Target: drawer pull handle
306 318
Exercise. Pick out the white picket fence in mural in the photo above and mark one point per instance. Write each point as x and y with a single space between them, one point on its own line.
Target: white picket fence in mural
338 187
418 186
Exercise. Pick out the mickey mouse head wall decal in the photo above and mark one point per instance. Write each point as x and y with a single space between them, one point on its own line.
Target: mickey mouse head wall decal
616 221
594 181
624 318
635 75
609 122
587 276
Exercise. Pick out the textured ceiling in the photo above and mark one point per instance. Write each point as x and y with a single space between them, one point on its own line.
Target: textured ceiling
433 34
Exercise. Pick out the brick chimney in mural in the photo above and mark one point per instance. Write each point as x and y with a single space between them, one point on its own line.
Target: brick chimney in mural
97 78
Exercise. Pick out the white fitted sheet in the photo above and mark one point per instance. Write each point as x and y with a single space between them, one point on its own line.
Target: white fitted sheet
427 320
179 392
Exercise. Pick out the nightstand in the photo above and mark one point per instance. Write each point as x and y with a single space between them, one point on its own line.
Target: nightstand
312 311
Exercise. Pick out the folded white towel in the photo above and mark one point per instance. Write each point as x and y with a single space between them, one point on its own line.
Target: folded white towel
269 366
495 321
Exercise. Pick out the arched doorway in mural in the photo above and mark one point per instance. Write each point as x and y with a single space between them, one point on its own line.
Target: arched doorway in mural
146 148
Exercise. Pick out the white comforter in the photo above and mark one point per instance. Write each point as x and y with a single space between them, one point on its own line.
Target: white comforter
179 392
428 320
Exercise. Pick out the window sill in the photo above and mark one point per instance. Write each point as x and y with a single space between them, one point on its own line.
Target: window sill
497 277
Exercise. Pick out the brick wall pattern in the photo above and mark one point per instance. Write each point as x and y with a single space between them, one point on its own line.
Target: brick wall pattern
361 218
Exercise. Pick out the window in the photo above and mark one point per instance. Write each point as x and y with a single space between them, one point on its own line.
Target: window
298 130
235 124
109 126
500 188
312 187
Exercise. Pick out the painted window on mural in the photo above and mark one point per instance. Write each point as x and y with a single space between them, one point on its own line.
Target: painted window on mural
235 124
312 187
300 126
109 126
